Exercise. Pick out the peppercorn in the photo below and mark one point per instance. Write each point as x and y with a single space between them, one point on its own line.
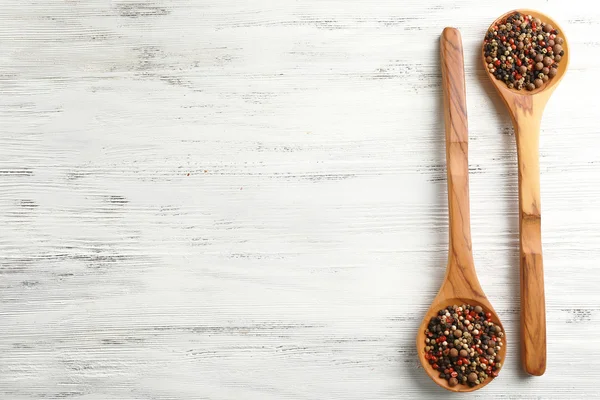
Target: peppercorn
557 48
472 377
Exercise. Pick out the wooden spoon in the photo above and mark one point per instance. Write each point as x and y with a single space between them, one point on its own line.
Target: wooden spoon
526 108
460 285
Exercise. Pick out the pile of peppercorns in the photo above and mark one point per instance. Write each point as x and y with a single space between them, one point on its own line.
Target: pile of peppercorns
462 344
523 51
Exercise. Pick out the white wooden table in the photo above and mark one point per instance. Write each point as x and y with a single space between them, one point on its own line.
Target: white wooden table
247 200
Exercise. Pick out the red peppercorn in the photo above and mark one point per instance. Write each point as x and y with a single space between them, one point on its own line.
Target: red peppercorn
459 362
549 48
542 43
552 37
479 351
503 38
511 41
494 373
435 366
533 25
483 360
518 76
519 62
454 374
488 315
512 46
427 356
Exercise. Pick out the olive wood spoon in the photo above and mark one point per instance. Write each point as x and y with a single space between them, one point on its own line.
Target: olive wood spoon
460 285
526 108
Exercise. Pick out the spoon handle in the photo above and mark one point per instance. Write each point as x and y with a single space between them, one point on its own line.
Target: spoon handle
457 151
533 305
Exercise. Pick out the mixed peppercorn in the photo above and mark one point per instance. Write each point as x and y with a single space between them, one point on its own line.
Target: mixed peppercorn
523 51
463 345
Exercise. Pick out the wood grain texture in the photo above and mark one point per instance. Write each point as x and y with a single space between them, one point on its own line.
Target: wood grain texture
299 256
526 109
460 284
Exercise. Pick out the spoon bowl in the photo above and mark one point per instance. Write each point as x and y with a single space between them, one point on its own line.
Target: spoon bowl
460 285
548 86
440 303
526 109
